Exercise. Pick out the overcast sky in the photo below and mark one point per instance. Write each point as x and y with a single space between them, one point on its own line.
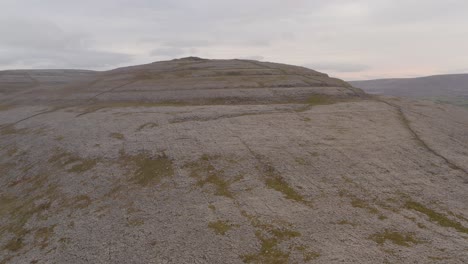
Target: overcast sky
355 39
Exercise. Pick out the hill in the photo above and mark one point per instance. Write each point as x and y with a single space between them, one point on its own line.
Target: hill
227 161
452 89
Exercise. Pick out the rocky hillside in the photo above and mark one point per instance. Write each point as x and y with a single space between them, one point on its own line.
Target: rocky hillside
226 161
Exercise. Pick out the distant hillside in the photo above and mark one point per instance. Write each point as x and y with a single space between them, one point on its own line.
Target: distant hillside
451 88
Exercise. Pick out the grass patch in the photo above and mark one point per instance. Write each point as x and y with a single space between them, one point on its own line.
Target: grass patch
222 186
270 238
12 151
382 217
81 201
74 163
14 244
16 213
110 105
220 227
346 222
397 238
310 255
277 183
301 161
206 173
6 167
117 136
149 170
320 99
82 166
436 217
21 214
146 125
5 107
135 222
269 252
11 130
42 235
359 203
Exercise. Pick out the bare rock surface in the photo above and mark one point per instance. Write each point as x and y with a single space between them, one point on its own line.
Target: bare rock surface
226 161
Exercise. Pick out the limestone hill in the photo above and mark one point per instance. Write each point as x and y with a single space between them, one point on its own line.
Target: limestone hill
226 161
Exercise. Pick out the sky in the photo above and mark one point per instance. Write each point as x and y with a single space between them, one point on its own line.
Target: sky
351 40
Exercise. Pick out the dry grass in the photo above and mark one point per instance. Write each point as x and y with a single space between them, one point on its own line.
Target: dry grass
11 130
321 99
221 227
270 238
4 107
111 105
71 162
436 217
277 183
42 236
222 186
148 169
359 203
117 136
147 125
206 173
397 238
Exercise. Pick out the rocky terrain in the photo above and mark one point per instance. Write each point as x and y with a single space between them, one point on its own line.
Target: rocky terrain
226 161
451 88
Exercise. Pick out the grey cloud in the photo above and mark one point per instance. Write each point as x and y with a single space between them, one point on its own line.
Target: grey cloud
76 59
37 34
40 43
168 52
350 38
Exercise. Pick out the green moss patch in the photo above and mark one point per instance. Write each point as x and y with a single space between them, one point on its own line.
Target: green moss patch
277 183
12 151
110 105
148 169
12 130
320 99
42 236
206 173
17 212
117 136
269 252
5 107
72 163
222 186
146 125
436 217
220 227
359 203
397 238
270 238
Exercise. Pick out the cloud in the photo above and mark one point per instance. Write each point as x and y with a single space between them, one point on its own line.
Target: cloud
348 38
76 59
41 43
168 52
